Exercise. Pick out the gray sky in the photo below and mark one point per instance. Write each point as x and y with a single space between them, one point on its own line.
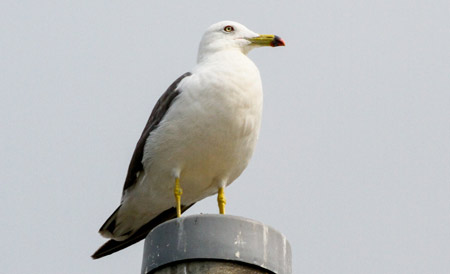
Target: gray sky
353 161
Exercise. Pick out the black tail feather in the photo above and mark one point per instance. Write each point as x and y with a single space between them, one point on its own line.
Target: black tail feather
112 246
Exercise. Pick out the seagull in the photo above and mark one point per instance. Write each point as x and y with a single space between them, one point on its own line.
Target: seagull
199 138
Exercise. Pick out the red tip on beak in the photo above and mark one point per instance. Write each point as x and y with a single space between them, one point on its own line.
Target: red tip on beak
277 41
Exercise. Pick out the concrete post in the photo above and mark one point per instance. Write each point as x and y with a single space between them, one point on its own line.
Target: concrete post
212 244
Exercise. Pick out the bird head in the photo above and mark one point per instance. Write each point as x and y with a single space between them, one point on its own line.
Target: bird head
232 35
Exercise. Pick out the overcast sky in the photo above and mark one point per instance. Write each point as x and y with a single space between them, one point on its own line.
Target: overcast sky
353 161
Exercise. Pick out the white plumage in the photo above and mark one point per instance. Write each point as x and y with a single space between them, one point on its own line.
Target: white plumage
207 135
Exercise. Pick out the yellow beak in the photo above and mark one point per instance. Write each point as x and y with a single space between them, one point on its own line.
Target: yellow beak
267 40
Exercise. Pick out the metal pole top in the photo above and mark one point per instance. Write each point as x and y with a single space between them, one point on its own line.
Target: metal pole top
217 237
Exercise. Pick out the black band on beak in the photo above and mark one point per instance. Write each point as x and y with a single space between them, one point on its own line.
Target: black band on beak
277 41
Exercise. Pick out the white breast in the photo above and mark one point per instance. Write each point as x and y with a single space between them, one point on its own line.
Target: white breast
207 136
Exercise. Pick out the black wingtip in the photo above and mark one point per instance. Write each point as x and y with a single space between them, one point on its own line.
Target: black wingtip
113 246
110 223
110 247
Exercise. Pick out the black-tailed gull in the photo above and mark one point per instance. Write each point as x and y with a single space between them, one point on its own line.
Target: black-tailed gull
199 138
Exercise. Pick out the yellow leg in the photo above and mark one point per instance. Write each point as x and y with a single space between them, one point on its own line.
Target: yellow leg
178 192
221 200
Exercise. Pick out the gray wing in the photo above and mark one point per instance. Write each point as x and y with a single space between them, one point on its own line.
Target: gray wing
158 112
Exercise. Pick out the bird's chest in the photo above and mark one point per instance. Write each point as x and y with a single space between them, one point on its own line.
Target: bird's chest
210 130
217 128
222 126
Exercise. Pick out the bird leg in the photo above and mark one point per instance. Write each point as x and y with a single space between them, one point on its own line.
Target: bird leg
221 200
178 191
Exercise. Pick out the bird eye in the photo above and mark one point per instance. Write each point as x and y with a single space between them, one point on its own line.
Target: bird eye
228 28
